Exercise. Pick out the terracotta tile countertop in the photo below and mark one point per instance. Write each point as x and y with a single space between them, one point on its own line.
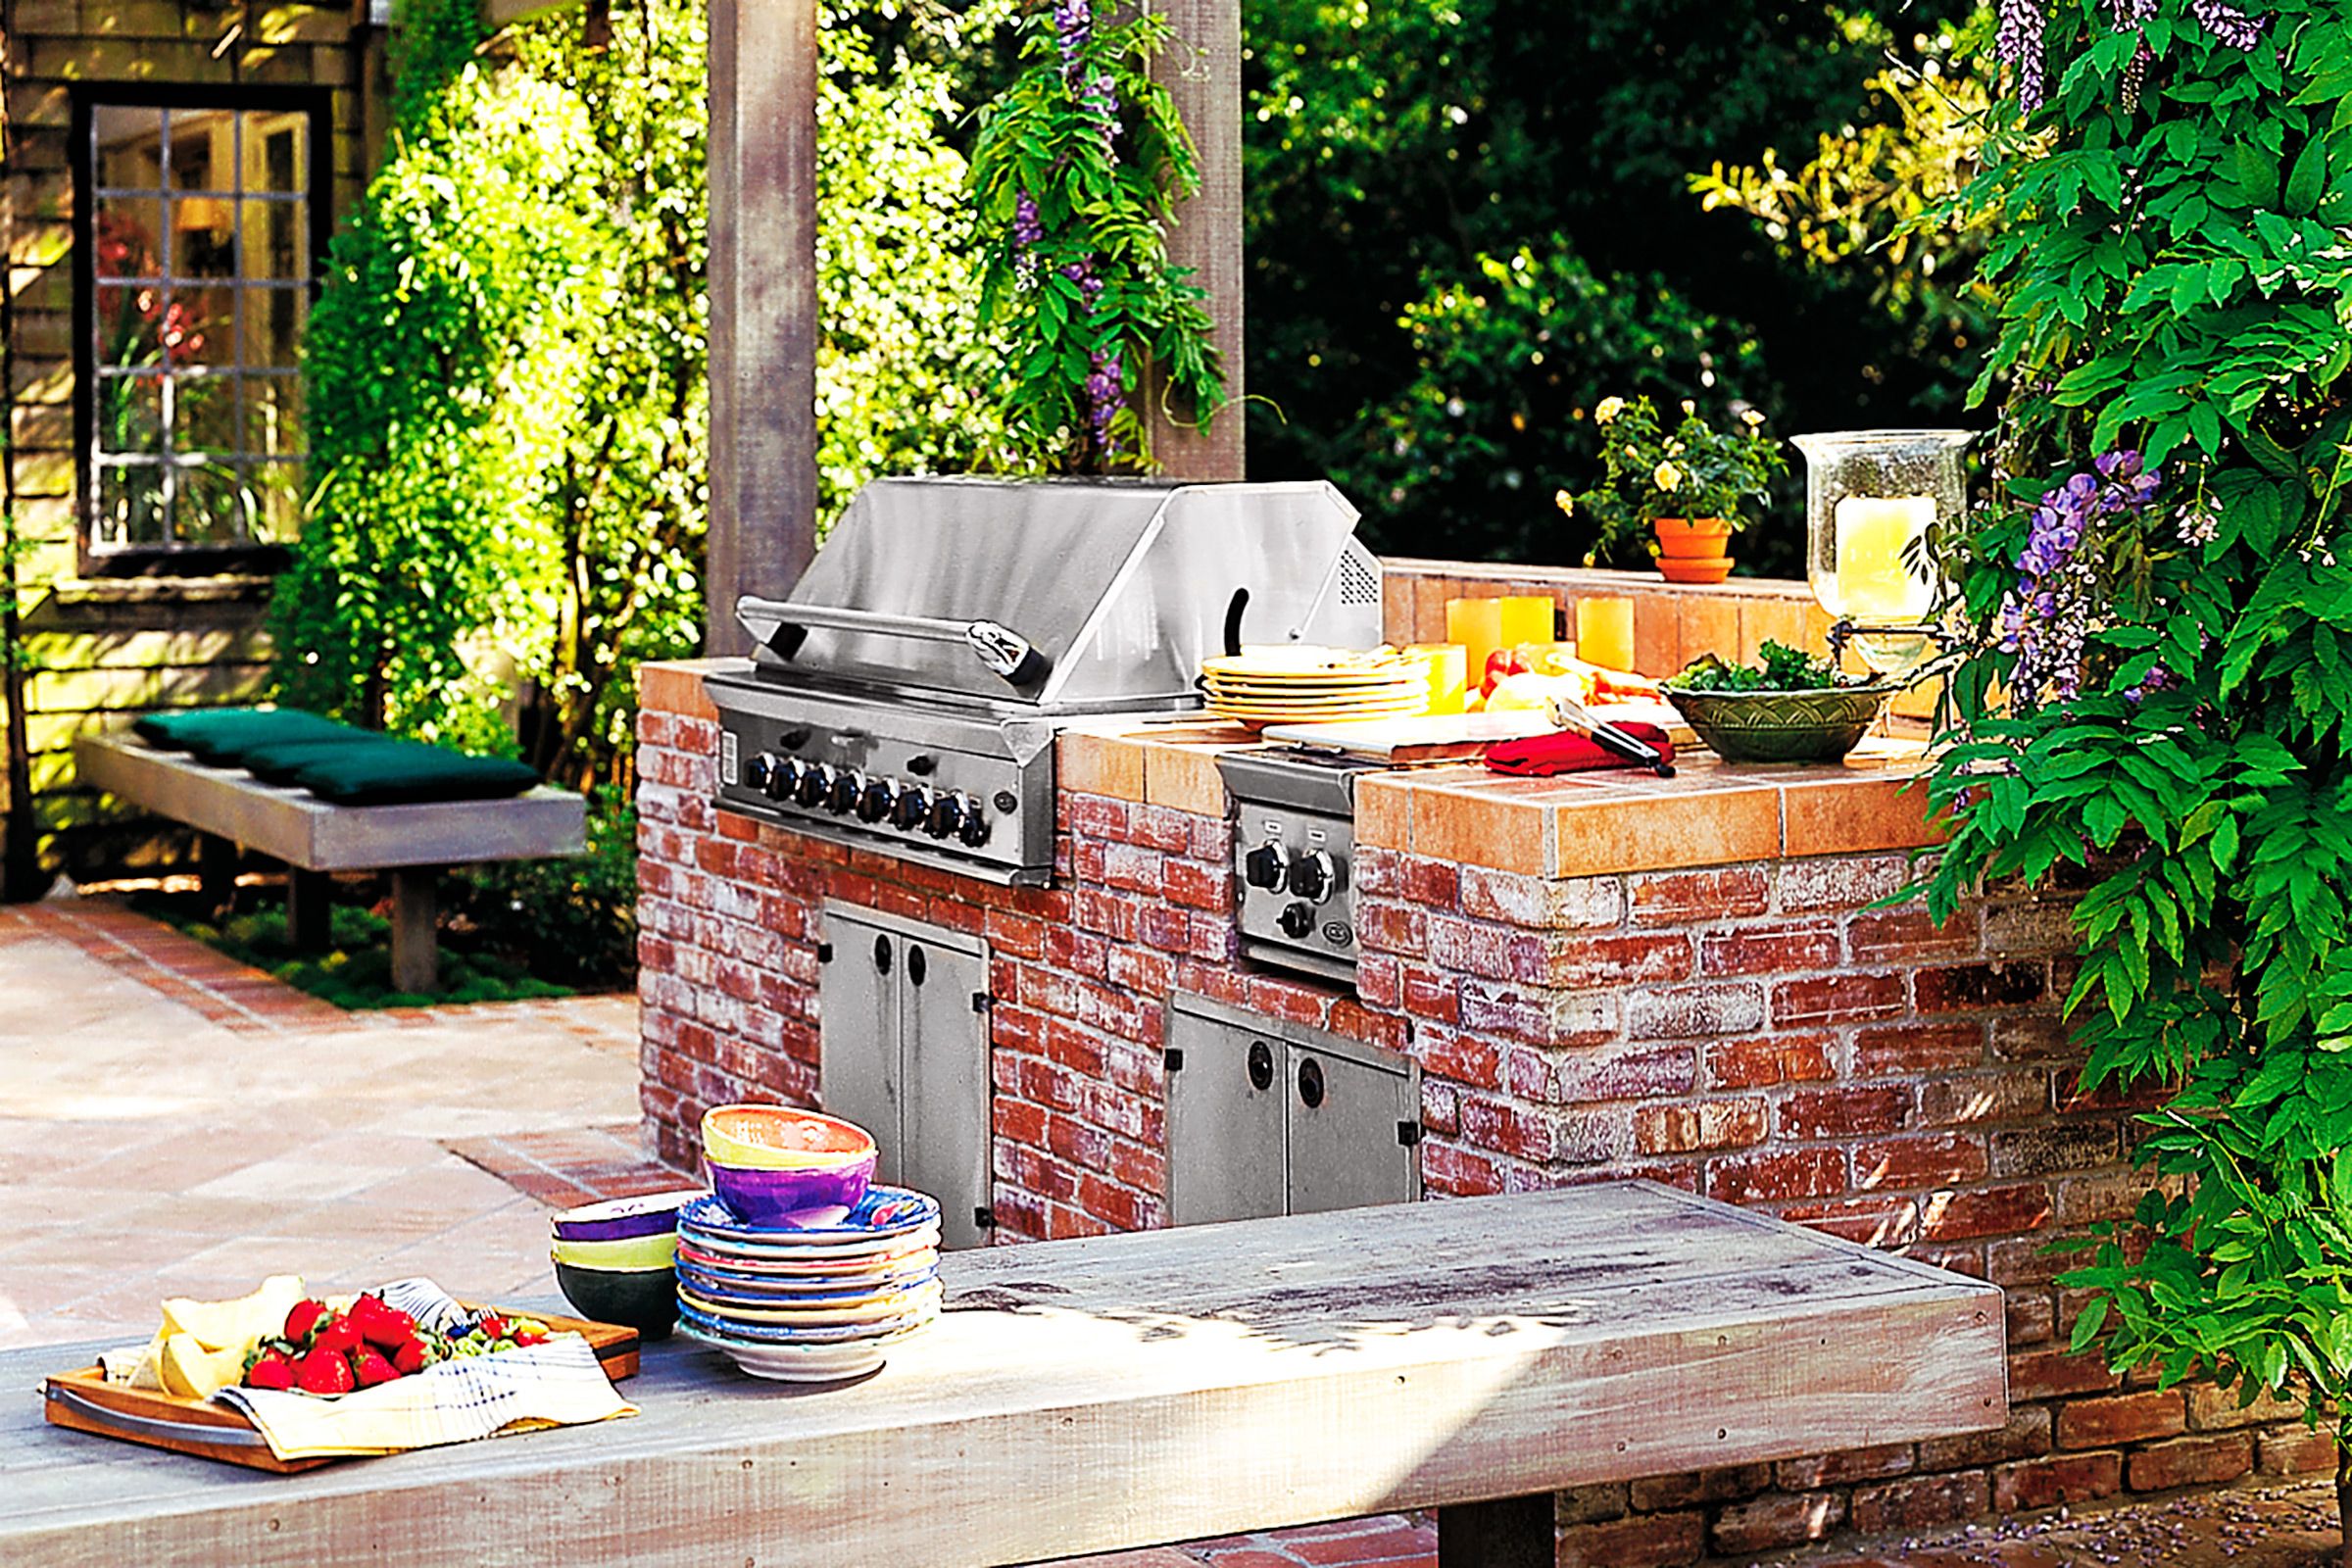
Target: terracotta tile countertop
1588 824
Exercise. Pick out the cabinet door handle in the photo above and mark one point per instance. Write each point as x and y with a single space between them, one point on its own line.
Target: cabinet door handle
1310 1083
882 954
1261 1065
916 964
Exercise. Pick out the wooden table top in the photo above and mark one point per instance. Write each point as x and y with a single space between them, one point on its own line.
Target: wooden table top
1085 1396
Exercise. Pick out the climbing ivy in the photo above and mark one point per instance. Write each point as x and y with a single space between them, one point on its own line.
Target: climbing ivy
2163 585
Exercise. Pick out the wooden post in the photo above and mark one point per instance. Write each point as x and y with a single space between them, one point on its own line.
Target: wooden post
416 959
1204 74
308 925
763 305
215 871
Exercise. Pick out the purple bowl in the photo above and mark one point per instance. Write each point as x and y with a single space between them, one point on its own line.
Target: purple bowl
620 1219
787 1198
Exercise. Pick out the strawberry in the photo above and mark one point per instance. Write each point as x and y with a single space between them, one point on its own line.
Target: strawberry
338 1334
369 1367
303 1318
323 1371
409 1359
387 1327
271 1370
526 1337
492 1325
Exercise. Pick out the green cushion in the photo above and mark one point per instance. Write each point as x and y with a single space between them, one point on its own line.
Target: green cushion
278 762
222 736
390 773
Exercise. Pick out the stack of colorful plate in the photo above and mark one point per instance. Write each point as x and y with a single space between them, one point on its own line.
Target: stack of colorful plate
809 1304
1302 685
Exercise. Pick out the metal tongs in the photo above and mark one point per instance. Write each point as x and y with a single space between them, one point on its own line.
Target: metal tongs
1573 715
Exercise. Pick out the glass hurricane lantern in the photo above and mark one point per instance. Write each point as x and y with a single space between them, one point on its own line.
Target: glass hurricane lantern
1870 496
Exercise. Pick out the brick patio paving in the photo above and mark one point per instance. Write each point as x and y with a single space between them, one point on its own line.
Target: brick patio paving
172 1122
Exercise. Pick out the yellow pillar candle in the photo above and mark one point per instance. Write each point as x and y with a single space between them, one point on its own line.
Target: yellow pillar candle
1527 618
1604 632
1872 532
1476 624
1448 671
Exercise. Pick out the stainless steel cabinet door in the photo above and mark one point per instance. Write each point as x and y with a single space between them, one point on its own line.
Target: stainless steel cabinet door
858 1050
945 1113
1349 1132
1225 1111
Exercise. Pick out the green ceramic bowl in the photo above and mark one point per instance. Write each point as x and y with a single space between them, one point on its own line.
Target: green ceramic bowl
1810 726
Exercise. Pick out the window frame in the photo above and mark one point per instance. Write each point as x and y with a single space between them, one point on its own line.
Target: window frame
316 104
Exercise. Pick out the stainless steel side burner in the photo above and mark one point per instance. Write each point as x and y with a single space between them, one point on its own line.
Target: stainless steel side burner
1295 847
905 697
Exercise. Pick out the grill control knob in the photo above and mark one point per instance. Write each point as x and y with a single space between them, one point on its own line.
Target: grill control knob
912 807
849 788
1315 877
946 815
758 770
1267 867
814 786
875 804
974 831
1297 920
783 775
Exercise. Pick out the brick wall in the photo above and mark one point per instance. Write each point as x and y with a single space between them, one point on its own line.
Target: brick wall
1754 1031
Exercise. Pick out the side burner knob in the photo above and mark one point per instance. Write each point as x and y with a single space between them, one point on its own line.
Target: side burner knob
974 831
814 785
913 807
946 815
1267 867
1297 920
1315 877
849 787
874 804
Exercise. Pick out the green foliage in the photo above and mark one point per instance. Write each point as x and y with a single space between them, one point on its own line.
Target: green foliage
1496 415
1396 154
573 922
1779 668
2168 244
907 374
355 972
1692 470
1074 172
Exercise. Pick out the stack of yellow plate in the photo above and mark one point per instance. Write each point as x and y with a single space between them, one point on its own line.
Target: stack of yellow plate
1301 685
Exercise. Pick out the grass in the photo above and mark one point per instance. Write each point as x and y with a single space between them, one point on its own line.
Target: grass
355 972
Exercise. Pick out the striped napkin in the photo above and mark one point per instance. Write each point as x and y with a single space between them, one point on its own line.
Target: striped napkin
559 1382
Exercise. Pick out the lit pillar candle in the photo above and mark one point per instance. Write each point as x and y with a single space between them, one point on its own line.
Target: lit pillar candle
1449 672
1527 618
1477 624
1604 632
1872 532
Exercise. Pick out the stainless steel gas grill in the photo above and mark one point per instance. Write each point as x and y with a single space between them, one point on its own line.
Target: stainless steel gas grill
906 694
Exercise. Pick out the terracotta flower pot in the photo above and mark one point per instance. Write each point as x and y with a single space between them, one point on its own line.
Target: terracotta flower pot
1692 549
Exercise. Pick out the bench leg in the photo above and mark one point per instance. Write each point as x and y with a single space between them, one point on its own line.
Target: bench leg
1507 1533
308 925
415 960
215 871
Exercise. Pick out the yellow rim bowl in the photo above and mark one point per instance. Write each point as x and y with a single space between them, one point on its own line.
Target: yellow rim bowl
724 1148
630 1254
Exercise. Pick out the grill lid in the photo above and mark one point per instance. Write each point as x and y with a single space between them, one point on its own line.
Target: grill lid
1066 594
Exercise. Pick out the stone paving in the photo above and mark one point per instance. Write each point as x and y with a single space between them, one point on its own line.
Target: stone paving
175 1123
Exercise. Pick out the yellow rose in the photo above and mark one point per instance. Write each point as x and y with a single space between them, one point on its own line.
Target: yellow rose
1609 409
1753 418
1667 476
1688 408
1566 502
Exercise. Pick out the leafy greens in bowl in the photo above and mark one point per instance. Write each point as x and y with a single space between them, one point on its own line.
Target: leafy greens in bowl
1792 706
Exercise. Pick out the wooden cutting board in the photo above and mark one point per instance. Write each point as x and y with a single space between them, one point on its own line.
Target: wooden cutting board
1455 737
86 1401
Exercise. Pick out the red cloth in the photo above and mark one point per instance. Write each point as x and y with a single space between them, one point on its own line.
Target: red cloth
1541 756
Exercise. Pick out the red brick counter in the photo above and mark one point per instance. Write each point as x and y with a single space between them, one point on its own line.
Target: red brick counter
1599 976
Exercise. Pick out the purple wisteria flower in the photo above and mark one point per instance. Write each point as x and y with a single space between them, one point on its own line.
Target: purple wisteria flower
1104 392
2049 615
1073 30
2227 24
2017 42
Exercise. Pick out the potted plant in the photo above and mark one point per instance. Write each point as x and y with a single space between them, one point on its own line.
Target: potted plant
1694 485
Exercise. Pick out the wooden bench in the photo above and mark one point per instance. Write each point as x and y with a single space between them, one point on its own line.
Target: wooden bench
229 805
1123 1391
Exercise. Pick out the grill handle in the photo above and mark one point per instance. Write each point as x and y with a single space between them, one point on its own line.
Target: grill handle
782 627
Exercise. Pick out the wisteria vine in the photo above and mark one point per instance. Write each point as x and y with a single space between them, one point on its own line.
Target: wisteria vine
2020 26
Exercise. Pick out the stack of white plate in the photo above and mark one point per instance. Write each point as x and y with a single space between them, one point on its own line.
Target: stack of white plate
1302 685
809 1304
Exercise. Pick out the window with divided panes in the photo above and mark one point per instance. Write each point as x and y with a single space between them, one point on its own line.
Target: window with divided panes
203 221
